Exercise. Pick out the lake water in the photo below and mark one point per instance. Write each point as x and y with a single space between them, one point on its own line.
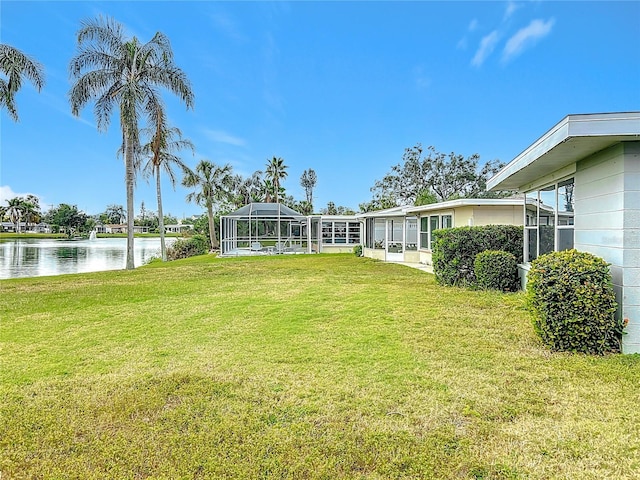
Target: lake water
40 257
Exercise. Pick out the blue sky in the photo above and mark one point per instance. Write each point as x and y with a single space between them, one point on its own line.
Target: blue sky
340 87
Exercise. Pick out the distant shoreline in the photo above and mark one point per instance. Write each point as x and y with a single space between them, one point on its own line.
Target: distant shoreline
12 235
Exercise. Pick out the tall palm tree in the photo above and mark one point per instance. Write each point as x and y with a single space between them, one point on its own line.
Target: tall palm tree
14 211
15 65
164 142
213 184
120 72
31 210
276 171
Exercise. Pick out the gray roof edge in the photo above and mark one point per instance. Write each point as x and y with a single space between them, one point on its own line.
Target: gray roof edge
387 212
272 209
575 125
465 202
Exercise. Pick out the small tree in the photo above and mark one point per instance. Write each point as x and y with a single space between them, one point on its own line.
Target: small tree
308 181
67 216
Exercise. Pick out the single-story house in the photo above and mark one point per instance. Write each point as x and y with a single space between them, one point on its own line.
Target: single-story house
100 228
587 168
403 234
31 227
177 228
119 228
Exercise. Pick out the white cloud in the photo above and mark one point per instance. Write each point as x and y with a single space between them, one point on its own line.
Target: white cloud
487 45
6 193
526 37
473 26
510 10
221 136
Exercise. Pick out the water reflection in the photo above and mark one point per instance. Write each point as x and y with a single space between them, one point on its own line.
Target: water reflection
36 257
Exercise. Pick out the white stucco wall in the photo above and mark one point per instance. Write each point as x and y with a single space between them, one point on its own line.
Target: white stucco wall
498 215
607 224
375 253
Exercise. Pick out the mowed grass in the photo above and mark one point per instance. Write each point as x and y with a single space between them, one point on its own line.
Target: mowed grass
300 367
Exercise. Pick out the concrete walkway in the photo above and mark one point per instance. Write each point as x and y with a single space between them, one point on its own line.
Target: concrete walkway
419 266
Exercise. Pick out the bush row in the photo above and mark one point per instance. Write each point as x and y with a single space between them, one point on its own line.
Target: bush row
455 250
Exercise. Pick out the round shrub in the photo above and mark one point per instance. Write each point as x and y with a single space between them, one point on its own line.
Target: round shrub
496 270
571 297
357 250
188 247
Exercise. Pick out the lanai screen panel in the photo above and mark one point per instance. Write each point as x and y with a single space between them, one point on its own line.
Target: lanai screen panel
261 228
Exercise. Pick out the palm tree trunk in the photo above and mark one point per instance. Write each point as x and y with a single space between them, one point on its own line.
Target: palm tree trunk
129 181
163 248
212 230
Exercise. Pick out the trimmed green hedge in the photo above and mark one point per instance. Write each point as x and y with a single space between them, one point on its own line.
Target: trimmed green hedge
188 247
496 270
570 295
455 249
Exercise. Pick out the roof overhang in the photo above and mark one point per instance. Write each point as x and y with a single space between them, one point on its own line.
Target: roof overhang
574 138
467 202
265 210
388 212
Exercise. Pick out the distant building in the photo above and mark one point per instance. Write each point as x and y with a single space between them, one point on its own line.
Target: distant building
32 227
178 228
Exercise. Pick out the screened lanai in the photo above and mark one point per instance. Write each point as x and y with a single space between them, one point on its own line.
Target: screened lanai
263 229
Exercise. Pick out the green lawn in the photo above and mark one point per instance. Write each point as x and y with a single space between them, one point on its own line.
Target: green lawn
298 367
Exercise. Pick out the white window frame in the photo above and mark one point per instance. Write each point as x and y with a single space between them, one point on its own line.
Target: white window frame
349 232
430 230
557 228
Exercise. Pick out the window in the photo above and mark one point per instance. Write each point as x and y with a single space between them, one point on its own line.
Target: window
340 232
549 219
327 232
430 224
412 234
369 227
354 233
379 235
424 232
